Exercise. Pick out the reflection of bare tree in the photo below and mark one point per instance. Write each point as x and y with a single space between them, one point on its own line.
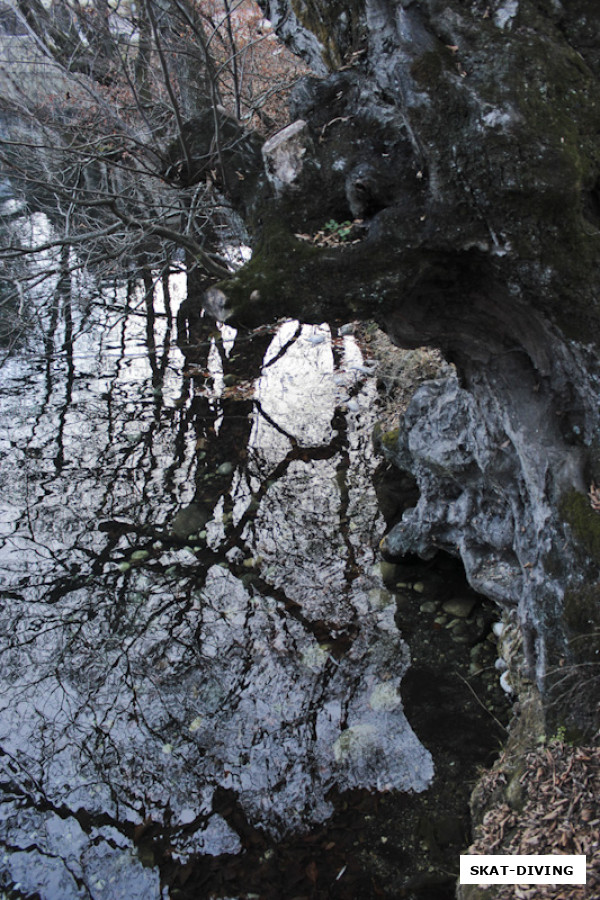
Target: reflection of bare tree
133 127
158 364
148 671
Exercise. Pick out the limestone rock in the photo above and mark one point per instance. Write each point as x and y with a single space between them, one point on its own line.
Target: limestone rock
283 155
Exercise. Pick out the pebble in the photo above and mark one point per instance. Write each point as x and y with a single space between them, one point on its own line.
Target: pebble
140 555
189 520
461 607
419 587
430 606
225 468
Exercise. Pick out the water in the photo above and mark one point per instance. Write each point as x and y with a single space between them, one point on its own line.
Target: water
198 649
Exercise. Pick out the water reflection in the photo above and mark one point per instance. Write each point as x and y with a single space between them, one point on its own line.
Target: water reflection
191 607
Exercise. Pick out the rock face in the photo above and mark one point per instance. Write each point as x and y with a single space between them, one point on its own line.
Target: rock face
283 155
465 135
215 144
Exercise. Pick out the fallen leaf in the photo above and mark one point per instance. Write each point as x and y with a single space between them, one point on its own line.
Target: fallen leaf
312 873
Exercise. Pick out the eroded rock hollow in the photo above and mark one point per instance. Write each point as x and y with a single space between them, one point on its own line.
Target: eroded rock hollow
464 137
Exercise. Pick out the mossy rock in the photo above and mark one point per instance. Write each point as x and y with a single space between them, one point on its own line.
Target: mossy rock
515 792
339 26
389 439
582 618
576 511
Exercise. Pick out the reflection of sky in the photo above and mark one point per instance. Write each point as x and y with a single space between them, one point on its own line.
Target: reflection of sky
297 391
134 690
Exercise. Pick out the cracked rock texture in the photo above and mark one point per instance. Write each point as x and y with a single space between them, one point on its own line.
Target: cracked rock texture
465 135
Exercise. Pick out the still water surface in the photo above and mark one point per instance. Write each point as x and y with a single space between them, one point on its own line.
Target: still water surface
191 604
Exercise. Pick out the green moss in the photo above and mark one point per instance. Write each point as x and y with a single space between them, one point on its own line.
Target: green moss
543 189
575 509
582 618
301 280
338 24
390 438
573 693
255 291
572 688
515 792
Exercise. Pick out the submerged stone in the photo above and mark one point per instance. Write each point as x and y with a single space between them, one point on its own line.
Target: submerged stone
140 555
190 521
462 607
430 606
